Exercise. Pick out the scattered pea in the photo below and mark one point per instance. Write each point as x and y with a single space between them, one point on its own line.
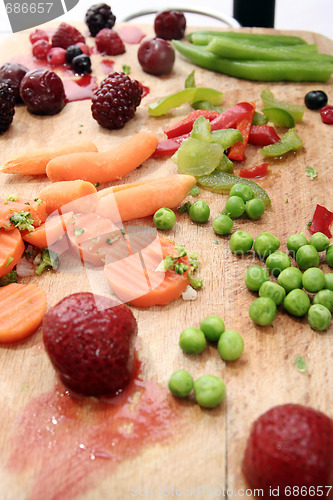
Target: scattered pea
329 256
164 219
234 207
263 311
222 225
209 391
212 327
277 262
273 291
307 256
240 242
265 244
319 317
320 241
199 211
329 281
290 279
181 383
297 302
296 241
242 190
230 345
313 279
255 208
255 276
325 298
192 340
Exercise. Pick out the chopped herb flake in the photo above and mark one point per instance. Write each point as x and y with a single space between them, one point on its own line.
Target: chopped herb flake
126 69
311 172
9 260
78 231
300 364
184 208
22 220
180 268
194 191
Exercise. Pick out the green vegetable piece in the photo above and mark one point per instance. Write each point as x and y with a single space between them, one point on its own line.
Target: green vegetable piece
319 317
206 106
290 279
240 242
296 241
280 117
329 281
255 276
265 244
269 101
8 278
263 311
226 137
197 158
254 208
234 207
320 241
259 119
190 80
164 219
209 391
49 260
22 220
194 191
290 141
189 95
201 129
277 262
273 291
223 181
242 190
230 345
213 327
297 302
329 256
325 298
222 225
199 211
181 383
267 39
192 340
313 280
300 364
311 172
225 165
307 256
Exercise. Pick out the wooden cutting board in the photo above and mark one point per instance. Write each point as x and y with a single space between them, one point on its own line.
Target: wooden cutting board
53 450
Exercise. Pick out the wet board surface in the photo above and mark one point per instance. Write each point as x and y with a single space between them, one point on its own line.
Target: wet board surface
55 447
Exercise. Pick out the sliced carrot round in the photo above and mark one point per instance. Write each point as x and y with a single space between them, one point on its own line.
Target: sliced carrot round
52 230
11 250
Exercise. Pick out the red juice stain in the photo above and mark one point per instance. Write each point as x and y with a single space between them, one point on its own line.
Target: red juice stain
31 63
130 33
81 88
107 65
145 90
70 444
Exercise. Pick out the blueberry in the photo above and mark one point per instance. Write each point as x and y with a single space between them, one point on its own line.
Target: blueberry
81 64
71 52
316 99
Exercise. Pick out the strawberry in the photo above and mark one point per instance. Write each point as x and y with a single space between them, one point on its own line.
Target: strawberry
290 446
89 339
66 35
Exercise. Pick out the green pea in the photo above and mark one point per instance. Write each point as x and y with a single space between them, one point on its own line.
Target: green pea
290 278
181 383
255 277
297 302
255 208
199 211
240 242
234 207
164 219
313 279
277 262
307 256
212 327
329 256
273 291
192 340
329 281
296 241
230 345
320 241
242 190
265 244
263 311
325 298
222 225
209 391
319 317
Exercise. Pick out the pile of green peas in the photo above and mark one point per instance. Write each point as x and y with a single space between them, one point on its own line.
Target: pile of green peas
209 390
294 284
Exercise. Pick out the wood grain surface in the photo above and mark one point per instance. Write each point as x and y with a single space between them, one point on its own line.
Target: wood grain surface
202 456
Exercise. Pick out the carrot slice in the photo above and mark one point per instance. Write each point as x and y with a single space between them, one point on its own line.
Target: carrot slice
11 249
143 199
59 195
104 166
142 285
34 162
22 310
37 210
52 230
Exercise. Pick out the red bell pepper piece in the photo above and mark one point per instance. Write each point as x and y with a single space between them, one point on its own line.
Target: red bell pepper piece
236 152
231 116
254 172
263 135
169 146
185 126
321 221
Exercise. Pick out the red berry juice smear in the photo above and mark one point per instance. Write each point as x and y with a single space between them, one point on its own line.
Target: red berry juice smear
81 88
71 444
145 90
130 34
107 65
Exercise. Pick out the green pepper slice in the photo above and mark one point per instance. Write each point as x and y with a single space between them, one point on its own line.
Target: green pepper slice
189 95
226 137
280 117
290 141
270 101
195 157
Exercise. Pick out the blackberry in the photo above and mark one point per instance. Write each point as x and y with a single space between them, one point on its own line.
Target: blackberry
7 106
71 52
12 73
115 101
81 64
99 16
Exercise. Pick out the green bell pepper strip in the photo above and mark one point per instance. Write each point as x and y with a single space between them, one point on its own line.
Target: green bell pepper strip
220 182
189 95
195 157
267 71
280 117
269 101
253 37
225 165
226 137
290 141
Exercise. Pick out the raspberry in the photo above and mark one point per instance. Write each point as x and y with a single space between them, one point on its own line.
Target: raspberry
115 101
109 42
99 16
38 35
56 56
7 106
85 49
66 35
40 49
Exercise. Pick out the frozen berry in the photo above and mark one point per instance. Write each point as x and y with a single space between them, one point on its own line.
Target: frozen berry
115 101
40 49
43 92
13 73
71 52
170 25
99 16
7 106
84 47
156 56
56 56
38 35
81 64
109 42
66 35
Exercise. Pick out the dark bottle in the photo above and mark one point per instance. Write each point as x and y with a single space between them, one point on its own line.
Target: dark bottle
259 13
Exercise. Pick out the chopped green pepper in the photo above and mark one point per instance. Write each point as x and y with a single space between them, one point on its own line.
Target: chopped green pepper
195 157
189 95
259 119
280 117
290 141
269 101
226 137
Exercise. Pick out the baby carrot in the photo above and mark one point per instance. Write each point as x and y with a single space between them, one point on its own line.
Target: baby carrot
104 166
22 310
52 230
34 162
11 250
58 195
